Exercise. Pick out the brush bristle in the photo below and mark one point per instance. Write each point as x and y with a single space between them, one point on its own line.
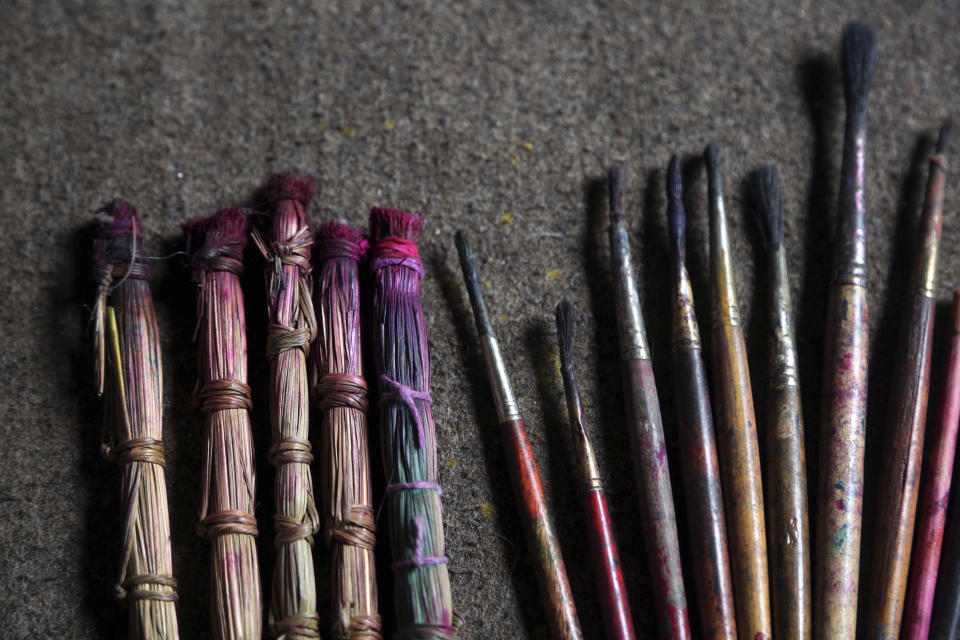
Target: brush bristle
616 193
946 133
336 231
859 60
564 314
768 205
676 216
226 229
386 223
286 186
714 171
118 217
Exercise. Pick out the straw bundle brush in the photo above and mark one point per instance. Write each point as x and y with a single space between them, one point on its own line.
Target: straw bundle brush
215 245
408 438
293 604
127 344
341 393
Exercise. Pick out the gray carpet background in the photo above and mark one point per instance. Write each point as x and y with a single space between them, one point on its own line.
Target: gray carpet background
494 118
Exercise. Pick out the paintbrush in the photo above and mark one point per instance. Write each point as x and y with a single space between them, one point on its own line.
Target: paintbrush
736 427
542 541
913 376
786 464
608 578
645 429
701 469
843 423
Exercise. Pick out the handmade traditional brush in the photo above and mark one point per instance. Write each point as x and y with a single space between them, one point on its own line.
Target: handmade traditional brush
611 591
923 572
786 463
701 470
228 479
736 428
542 543
127 343
293 603
843 423
408 438
645 430
341 394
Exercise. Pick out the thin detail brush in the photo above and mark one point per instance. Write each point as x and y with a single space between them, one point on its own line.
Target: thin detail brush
699 462
736 427
843 420
555 592
645 429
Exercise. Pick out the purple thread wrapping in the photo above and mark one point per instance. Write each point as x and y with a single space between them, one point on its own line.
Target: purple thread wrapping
418 559
406 396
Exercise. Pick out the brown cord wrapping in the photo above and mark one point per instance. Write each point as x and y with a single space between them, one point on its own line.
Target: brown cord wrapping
291 450
227 522
305 626
289 530
363 628
359 531
281 338
342 390
136 450
222 395
126 591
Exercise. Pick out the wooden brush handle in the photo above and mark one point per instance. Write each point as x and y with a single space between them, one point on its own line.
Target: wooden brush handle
541 539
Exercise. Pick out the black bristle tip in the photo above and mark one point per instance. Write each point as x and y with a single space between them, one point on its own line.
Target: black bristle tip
615 177
676 216
472 281
859 60
946 133
565 332
768 205
714 171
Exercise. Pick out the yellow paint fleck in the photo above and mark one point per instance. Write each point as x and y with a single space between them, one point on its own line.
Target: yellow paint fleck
486 284
507 219
389 125
349 131
514 158
321 127
555 358
488 511
484 156
528 146
452 463
501 318
554 274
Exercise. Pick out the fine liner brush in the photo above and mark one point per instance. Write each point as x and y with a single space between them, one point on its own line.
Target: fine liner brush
701 470
923 574
537 524
843 420
645 429
945 620
736 428
286 249
903 442
127 329
786 463
608 578
928 574
228 476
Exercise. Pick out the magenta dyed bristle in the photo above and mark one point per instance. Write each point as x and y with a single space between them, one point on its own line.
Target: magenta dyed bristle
286 186
116 218
395 223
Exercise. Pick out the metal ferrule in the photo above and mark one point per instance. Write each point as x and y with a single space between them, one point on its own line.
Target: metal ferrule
726 312
507 408
586 459
931 226
783 368
850 259
686 332
633 338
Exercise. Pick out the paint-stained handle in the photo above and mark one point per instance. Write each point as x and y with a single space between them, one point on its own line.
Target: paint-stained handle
611 591
739 453
840 500
657 514
542 540
789 536
900 479
704 497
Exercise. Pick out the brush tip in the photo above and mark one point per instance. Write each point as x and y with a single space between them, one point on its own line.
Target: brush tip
118 217
676 217
768 205
946 134
287 186
615 176
859 60
385 223
564 313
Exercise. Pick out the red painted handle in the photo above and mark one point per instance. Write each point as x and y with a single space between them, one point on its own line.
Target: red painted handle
608 578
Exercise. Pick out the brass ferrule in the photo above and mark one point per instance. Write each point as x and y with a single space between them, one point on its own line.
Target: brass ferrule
931 225
783 367
686 332
726 311
506 403
633 337
586 458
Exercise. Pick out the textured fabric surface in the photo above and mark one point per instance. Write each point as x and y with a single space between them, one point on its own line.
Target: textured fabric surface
498 120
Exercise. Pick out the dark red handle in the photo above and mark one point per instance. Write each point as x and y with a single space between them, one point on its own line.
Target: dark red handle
611 592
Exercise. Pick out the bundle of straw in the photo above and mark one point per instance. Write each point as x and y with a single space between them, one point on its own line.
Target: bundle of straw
125 333
226 512
341 391
422 585
293 605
